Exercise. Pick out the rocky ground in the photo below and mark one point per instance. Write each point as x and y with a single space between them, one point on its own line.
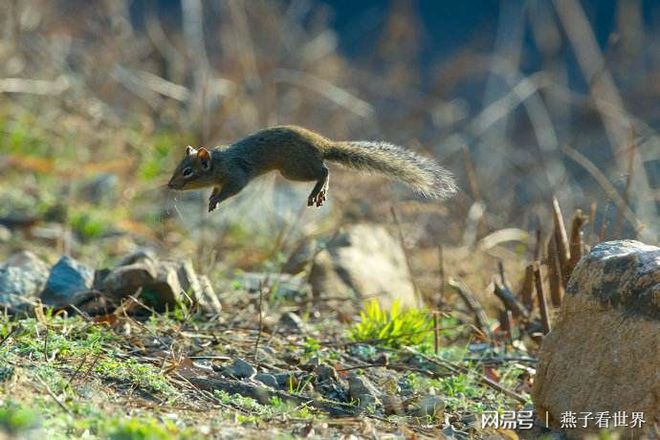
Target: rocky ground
146 346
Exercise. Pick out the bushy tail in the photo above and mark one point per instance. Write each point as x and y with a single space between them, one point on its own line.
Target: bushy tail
423 175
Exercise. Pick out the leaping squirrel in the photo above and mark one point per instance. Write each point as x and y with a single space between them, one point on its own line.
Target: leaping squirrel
300 154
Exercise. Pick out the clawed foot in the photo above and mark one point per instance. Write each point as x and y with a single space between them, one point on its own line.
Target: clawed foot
318 199
212 204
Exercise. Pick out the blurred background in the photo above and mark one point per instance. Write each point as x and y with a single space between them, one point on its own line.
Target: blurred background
522 100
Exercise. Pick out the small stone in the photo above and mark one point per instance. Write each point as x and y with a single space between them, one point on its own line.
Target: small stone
67 278
267 379
22 278
392 405
5 234
368 402
363 391
325 373
454 434
127 280
293 321
429 406
241 369
102 188
199 287
284 379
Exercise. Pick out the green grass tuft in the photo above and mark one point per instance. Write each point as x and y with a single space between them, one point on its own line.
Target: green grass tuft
396 328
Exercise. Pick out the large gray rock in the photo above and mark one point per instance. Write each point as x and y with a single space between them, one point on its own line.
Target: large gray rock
604 351
68 282
365 259
22 277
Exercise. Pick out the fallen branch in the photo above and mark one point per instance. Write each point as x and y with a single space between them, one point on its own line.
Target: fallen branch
472 303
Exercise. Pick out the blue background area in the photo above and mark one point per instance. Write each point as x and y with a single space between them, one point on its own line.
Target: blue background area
447 25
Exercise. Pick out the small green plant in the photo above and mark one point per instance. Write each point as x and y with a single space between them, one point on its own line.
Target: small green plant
394 328
90 224
15 418
143 429
142 375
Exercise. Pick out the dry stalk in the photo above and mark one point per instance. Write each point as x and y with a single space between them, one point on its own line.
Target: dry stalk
577 239
545 319
561 240
472 304
554 273
527 289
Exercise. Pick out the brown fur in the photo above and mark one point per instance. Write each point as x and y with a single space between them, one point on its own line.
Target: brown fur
299 154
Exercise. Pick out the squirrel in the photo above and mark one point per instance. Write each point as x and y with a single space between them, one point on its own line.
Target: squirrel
300 154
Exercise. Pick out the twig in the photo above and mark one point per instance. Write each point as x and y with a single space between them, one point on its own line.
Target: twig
545 320
528 288
577 239
46 345
472 303
554 273
441 264
509 300
11 332
537 244
561 240
618 223
75 373
436 333
55 398
261 323
604 183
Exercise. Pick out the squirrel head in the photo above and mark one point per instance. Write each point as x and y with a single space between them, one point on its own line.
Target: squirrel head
194 171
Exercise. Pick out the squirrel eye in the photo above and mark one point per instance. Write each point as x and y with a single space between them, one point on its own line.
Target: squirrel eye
187 172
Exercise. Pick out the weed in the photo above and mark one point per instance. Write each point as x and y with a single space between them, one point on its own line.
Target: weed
144 429
395 328
15 419
142 375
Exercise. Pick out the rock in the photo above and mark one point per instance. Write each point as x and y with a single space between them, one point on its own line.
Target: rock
363 391
452 433
199 287
293 321
285 380
267 379
327 383
162 283
67 280
429 406
367 260
127 280
22 277
301 256
5 234
102 188
603 353
392 405
325 373
241 369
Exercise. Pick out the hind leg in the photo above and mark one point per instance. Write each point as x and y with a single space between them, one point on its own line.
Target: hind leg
320 192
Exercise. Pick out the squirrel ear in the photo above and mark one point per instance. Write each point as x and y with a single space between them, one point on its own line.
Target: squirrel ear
205 157
190 150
